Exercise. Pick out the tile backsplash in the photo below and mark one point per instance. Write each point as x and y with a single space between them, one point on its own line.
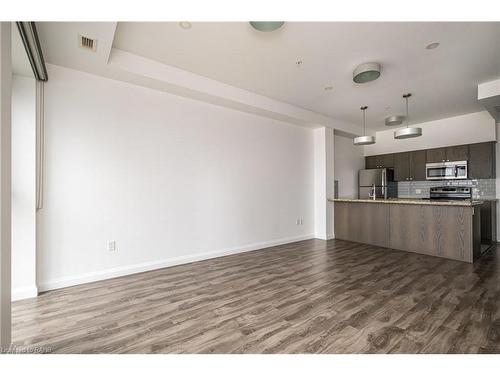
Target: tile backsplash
481 189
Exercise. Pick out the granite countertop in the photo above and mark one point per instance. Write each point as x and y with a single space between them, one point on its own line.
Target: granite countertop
463 203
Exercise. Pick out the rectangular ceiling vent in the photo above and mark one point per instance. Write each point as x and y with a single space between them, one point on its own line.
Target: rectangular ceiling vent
87 43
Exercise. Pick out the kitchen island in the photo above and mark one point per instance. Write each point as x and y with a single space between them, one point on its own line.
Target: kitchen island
448 229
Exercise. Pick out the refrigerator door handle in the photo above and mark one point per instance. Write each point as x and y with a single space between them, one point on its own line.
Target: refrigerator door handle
384 183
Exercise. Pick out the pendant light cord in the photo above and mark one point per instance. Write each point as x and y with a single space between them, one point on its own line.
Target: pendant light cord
363 108
407 115
407 96
364 121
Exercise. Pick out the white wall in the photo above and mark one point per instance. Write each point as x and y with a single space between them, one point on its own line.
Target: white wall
169 179
349 159
471 128
323 183
5 183
23 188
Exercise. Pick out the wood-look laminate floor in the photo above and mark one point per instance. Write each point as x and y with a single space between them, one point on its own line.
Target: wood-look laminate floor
307 297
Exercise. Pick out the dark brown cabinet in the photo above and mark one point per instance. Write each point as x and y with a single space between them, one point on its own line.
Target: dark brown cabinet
457 153
371 162
482 160
402 166
436 155
443 154
409 166
417 165
379 161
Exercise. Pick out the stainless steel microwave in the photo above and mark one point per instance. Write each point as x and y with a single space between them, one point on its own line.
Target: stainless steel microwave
450 170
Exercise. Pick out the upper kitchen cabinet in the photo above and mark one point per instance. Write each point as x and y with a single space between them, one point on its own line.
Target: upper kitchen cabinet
457 153
379 161
443 154
436 155
402 166
371 162
409 166
417 165
482 160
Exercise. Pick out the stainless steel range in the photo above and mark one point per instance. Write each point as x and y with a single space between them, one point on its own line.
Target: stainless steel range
451 192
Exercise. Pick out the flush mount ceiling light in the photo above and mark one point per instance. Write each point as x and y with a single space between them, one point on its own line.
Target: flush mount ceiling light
365 139
266 26
185 25
366 72
394 120
408 132
432 45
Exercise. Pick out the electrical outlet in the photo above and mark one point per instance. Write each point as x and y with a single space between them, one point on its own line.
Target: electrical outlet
111 246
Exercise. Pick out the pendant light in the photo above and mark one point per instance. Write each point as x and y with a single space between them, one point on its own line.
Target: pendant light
365 139
366 72
407 132
394 120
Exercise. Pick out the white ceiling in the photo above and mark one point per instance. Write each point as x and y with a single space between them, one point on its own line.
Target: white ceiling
443 81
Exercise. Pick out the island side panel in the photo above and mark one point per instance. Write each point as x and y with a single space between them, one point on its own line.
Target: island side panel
375 224
362 222
347 221
444 231
408 231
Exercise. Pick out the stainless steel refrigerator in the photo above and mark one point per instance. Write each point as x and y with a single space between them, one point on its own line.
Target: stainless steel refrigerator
376 183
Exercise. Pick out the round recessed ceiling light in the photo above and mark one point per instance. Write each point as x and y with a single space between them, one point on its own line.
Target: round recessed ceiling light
366 72
266 26
432 45
185 25
328 88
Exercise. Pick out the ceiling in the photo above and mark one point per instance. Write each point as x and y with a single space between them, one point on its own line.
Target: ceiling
443 80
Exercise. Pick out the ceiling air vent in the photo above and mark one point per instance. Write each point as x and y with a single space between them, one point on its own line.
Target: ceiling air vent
87 43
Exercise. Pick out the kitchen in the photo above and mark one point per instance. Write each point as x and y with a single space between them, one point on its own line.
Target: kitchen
439 201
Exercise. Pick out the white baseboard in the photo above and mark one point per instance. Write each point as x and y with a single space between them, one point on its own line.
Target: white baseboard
169 262
24 292
327 237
